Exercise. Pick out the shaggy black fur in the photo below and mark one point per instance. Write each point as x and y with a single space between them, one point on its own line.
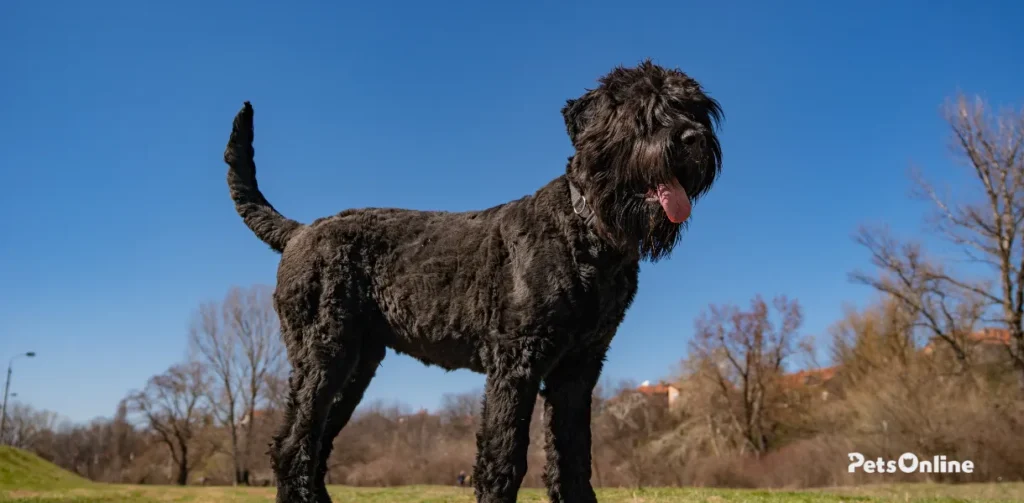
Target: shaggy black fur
527 292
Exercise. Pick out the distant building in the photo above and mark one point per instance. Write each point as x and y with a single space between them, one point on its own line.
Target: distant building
985 346
822 380
663 393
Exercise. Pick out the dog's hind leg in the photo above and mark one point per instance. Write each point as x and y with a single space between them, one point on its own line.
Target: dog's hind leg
568 394
345 404
510 395
322 361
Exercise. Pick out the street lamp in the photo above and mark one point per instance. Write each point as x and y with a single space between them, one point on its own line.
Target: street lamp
7 388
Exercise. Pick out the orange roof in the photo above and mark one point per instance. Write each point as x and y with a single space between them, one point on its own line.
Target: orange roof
653 389
800 378
986 336
991 336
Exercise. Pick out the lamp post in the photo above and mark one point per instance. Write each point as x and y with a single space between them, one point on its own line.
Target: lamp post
7 388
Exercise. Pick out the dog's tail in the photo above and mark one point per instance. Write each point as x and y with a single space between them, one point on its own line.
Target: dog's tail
268 225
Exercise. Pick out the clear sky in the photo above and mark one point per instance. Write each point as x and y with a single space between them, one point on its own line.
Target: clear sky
114 115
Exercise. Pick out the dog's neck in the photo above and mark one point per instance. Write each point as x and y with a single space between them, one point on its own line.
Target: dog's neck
582 226
580 206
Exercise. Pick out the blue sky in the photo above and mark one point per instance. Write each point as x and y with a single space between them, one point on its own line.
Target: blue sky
114 116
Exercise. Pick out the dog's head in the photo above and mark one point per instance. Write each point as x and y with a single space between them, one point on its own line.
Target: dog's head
646 149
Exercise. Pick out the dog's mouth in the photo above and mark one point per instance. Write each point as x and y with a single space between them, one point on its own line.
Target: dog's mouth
673 200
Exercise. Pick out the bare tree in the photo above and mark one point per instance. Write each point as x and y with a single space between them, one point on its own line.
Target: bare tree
986 227
945 312
238 341
211 343
275 388
25 424
172 406
460 413
627 424
250 317
743 354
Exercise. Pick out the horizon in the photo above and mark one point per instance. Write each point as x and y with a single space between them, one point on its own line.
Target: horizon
119 113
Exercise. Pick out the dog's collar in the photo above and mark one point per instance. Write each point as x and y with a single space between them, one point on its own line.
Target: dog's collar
580 206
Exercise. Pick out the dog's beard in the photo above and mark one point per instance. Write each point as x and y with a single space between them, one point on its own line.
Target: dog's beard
637 223
645 207
642 224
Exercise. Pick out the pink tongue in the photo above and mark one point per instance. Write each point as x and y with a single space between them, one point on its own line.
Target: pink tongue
674 201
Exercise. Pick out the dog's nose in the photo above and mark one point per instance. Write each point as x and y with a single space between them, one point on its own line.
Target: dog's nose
693 138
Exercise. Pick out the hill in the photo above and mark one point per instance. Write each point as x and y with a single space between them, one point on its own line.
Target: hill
21 469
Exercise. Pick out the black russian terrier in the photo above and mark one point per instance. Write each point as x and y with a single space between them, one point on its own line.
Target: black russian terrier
529 292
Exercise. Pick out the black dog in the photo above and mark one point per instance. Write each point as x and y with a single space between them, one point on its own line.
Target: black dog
530 292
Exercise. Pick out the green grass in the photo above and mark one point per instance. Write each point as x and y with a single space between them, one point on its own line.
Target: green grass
24 470
26 478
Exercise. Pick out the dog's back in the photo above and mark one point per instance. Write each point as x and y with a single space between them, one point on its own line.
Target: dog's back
440 286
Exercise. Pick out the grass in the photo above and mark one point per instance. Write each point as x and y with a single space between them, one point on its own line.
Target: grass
25 470
103 493
27 478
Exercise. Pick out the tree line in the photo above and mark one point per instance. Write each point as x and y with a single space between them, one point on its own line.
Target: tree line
935 367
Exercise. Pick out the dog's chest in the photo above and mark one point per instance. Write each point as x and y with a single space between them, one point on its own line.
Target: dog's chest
605 289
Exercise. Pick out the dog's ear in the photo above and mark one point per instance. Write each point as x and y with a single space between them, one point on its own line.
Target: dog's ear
574 113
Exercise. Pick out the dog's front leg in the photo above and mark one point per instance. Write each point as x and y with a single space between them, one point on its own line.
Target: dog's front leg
504 434
568 394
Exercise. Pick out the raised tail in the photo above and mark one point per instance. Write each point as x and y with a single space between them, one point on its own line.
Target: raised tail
268 225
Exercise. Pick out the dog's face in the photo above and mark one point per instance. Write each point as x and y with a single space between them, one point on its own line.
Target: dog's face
646 149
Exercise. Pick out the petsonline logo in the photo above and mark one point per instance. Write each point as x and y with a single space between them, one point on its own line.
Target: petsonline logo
908 463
